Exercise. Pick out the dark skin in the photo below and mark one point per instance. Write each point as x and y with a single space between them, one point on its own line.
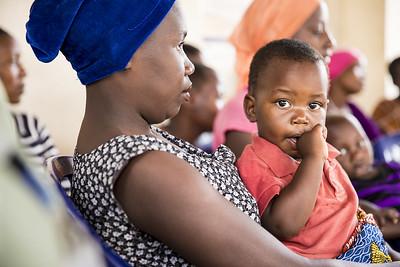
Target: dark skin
173 202
12 73
357 161
197 116
350 82
289 105
291 101
314 32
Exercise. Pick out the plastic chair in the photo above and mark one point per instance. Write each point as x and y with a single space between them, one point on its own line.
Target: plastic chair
387 148
61 168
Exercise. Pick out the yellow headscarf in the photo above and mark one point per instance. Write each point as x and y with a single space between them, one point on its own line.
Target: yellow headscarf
263 22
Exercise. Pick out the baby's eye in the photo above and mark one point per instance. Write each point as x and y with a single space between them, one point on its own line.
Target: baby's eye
343 151
283 103
315 106
361 144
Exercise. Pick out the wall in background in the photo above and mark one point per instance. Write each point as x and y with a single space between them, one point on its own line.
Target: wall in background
360 24
392 42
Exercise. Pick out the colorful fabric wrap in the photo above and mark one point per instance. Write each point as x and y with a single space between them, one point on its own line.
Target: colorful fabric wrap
366 245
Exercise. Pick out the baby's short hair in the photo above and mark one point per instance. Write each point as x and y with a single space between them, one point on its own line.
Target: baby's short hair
285 50
336 121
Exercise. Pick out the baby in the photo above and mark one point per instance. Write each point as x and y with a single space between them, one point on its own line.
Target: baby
304 196
378 183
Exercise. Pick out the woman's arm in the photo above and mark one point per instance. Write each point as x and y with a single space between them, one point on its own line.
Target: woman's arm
393 253
167 198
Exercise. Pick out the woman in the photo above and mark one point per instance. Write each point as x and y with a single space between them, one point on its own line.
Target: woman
347 75
33 135
263 22
155 199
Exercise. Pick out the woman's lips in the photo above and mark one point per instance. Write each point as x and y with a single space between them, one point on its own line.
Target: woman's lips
186 94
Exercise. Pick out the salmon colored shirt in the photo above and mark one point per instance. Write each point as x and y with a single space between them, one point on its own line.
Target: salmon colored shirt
266 170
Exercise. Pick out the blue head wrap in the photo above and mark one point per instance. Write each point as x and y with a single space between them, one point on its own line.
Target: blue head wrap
98 37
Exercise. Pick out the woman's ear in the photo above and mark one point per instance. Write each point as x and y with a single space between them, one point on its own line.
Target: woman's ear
249 107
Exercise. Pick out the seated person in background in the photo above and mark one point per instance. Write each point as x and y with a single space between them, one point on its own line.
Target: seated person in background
347 75
197 115
34 136
193 53
36 229
378 183
304 197
387 112
151 196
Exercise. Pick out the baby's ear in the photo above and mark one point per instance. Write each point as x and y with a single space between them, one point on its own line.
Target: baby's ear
249 107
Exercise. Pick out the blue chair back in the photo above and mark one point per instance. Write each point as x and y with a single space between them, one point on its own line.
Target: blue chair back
387 148
60 168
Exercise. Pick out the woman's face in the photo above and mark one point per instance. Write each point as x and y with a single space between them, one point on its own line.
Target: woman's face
12 73
315 32
352 80
160 71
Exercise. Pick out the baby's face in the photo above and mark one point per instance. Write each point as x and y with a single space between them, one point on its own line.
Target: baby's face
355 149
290 99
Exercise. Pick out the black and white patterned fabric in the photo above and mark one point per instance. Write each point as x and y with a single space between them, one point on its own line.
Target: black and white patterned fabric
34 138
96 172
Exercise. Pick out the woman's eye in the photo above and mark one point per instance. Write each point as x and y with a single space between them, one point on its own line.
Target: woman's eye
283 103
318 32
314 106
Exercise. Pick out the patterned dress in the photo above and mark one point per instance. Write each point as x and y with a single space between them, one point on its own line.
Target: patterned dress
95 174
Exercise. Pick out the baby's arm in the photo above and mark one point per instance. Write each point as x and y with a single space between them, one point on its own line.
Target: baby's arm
288 212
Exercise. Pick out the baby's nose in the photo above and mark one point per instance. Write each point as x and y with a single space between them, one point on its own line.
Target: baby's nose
300 117
300 120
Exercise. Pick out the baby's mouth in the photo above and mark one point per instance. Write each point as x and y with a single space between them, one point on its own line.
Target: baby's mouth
293 140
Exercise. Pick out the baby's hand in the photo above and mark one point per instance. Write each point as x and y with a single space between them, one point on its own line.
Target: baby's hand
385 215
313 144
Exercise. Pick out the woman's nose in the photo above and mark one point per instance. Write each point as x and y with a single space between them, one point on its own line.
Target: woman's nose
189 67
330 40
22 71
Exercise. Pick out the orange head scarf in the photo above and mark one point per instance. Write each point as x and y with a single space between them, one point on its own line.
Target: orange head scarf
263 22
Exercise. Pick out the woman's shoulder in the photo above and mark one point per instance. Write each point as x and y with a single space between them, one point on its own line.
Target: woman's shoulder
122 144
